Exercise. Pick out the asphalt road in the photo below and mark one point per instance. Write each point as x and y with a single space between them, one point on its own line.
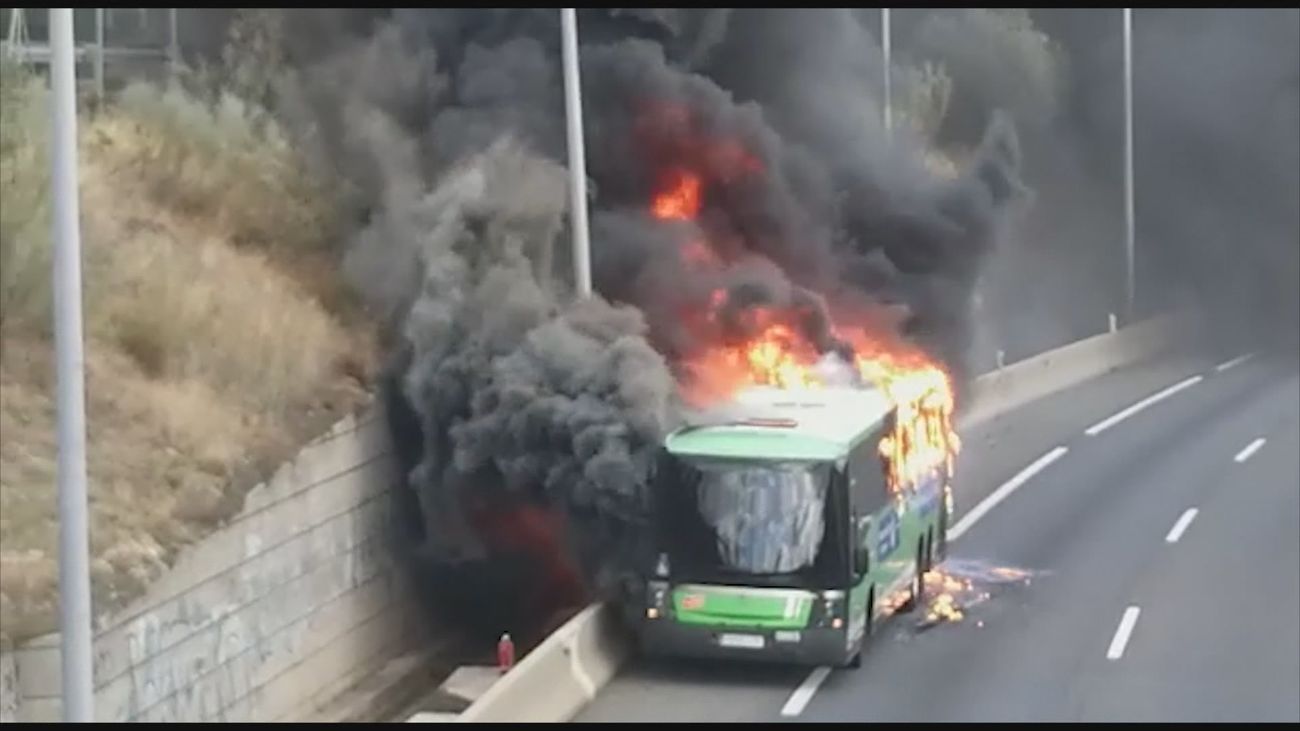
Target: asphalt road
1121 617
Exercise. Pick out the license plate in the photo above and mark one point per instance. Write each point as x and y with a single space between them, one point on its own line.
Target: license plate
747 642
787 636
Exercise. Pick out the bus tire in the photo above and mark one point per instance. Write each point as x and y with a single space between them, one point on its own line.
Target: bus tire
929 551
870 624
943 530
855 661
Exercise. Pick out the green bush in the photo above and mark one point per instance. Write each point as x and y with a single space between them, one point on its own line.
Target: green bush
996 59
24 200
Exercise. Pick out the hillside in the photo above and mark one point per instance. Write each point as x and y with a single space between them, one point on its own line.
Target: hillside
218 338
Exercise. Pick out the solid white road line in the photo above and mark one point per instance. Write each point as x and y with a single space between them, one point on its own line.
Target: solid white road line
1126 625
1235 361
1177 531
1002 492
804 693
1250 449
1102 426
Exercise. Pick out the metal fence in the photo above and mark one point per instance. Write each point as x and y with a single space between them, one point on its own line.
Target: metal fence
112 44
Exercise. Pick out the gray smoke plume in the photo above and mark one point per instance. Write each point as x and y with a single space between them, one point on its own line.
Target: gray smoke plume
1217 158
1219 171
1217 167
447 128
1051 252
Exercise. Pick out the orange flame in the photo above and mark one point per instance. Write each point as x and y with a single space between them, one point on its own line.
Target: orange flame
922 440
682 199
681 202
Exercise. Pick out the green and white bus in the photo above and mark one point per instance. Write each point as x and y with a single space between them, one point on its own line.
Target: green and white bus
777 535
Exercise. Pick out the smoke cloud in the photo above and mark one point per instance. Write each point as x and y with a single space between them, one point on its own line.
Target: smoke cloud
510 399
1217 175
1218 172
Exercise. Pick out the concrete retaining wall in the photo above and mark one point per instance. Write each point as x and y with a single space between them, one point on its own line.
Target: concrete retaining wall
9 699
1006 389
291 602
560 676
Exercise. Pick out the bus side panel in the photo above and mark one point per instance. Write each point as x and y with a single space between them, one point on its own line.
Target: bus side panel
858 609
920 517
889 557
925 504
913 531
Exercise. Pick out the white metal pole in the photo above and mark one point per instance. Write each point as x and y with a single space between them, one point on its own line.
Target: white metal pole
577 157
74 548
99 55
885 42
1130 286
173 37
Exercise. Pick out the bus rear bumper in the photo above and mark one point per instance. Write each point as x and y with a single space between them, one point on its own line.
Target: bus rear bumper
667 638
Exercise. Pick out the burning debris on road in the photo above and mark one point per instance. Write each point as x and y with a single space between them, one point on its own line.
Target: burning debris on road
752 222
955 588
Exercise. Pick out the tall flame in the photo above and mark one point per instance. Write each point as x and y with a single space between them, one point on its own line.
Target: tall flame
922 439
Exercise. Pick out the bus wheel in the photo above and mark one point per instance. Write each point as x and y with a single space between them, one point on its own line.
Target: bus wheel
943 531
855 662
870 624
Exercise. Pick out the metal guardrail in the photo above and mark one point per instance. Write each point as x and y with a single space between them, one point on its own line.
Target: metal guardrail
39 53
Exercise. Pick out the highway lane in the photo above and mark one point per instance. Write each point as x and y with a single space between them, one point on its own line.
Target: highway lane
1095 526
1085 522
1219 634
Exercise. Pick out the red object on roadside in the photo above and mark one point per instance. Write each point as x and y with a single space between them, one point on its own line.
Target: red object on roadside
505 653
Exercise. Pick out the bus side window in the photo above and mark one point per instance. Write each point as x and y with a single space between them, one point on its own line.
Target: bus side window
870 491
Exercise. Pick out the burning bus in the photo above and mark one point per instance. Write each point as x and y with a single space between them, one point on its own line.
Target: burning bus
788 519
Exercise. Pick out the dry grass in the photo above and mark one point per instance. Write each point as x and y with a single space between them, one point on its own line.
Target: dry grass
228 163
215 329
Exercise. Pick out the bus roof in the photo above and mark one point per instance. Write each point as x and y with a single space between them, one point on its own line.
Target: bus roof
770 423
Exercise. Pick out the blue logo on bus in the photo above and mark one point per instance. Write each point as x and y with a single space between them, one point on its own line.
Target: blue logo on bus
887 536
926 498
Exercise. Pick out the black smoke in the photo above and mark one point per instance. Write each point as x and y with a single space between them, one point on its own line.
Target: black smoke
445 129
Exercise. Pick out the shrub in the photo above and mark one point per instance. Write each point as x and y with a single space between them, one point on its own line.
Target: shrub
24 200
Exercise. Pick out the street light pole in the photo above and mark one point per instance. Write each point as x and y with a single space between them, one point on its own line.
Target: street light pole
885 41
577 157
99 56
74 548
1130 281
173 37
